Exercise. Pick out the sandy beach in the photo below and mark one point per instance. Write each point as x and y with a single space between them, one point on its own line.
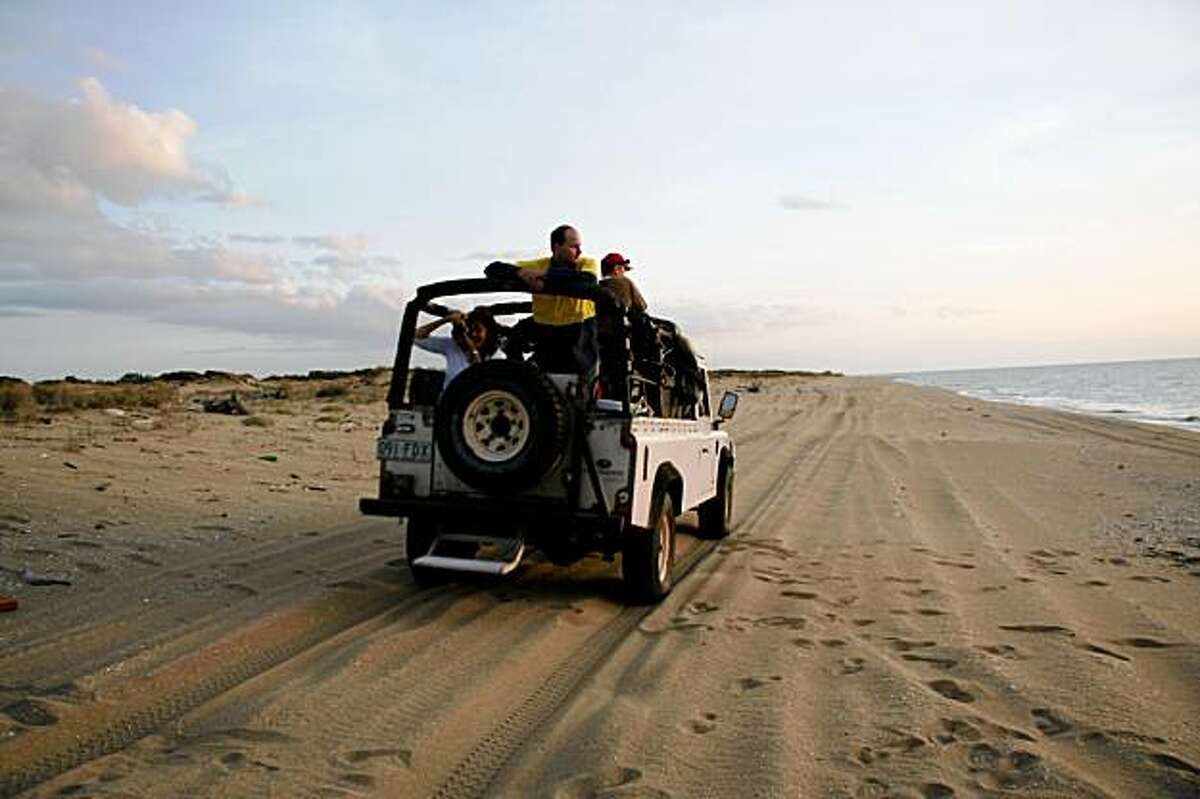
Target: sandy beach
924 595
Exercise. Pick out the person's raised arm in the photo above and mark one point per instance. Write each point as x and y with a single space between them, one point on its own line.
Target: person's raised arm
424 331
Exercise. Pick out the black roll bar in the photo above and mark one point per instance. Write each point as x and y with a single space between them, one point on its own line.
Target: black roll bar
423 301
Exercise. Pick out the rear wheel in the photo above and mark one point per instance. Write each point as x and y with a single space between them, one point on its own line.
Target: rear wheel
502 426
648 557
716 514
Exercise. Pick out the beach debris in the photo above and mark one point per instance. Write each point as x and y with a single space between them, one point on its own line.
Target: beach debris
230 406
8 603
114 412
315 488
30 578
70 465
268 458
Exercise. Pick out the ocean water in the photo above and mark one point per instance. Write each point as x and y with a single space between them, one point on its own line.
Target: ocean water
1159 392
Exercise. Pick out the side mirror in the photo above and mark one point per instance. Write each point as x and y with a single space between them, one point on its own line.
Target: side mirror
728 406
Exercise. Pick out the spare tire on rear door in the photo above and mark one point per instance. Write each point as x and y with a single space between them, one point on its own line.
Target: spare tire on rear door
502 426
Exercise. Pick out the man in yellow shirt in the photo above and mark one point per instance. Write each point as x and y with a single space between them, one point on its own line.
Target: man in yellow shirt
564 328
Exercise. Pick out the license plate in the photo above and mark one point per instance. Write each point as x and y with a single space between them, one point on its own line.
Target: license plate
395 449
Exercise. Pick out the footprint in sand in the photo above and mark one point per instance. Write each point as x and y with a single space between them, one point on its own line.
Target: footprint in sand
958 730
1173 762
1037 628
391 756
905 645
607 781
945 663
955 564
1099 650
851 665
1049 722
983 756
744 685
232 760
951 690
783 622
703 725
1002 651
1139 642
897 742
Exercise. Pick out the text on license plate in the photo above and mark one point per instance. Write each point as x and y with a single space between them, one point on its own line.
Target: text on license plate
395 449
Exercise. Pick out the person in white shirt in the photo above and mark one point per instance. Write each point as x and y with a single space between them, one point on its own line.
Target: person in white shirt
473 339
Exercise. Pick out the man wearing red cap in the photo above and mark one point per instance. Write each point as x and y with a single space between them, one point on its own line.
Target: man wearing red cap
613 268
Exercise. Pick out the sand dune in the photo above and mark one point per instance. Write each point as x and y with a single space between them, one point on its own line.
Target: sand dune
924 595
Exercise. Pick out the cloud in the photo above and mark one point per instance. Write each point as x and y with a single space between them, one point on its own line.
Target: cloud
67 154
795 202
705 319
364 312
61 251
103 60
247 238
486 257
232 199
959 311
343 245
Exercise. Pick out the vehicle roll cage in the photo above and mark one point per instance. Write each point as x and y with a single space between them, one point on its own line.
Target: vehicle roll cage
423 301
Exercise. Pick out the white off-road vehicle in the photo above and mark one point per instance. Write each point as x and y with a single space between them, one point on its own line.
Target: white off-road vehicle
507 456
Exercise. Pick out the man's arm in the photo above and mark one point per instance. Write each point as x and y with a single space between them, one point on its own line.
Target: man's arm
533 273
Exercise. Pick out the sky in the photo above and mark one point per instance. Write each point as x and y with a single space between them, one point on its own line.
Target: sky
825 185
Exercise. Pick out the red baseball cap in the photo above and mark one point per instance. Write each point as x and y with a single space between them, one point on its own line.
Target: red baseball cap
614 259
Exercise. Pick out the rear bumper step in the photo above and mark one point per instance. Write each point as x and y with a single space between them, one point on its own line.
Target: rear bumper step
476 565
475 507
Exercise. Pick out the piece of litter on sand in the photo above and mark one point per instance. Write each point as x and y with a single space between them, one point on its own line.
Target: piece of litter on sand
8 603
29 578
315 488
268 458
70 465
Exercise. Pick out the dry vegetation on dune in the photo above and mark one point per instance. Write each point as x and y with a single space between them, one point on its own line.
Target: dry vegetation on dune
21 401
